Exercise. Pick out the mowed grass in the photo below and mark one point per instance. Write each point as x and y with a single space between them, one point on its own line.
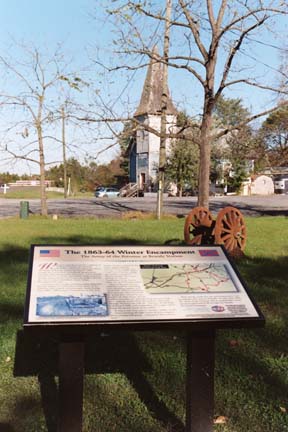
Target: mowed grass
33 192
136 381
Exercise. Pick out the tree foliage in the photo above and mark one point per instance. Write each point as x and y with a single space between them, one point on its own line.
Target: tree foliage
7 177
126 137
274 133
234 156
229 112
85 177
183 159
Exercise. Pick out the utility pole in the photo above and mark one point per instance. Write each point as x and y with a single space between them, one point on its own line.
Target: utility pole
164 99
64 151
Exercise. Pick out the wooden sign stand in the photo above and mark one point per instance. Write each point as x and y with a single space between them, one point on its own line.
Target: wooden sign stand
197 290
71 373
199 383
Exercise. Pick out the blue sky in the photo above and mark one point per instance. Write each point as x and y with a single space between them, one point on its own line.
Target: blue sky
72 23
51 21
48 23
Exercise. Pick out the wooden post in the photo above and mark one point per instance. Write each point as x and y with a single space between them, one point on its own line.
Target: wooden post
200 381
71 369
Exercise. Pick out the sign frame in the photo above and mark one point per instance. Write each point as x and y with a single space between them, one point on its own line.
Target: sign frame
85 326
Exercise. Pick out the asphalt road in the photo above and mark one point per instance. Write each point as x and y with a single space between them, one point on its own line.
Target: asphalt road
274 205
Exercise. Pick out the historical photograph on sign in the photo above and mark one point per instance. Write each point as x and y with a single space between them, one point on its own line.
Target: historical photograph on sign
133 283
92 305
186 278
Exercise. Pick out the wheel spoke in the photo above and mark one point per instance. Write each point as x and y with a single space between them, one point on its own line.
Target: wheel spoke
240 243
197 239
229 244
226 237
226 230
227 221
233 217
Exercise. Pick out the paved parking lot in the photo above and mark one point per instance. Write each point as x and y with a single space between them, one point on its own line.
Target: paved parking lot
255 205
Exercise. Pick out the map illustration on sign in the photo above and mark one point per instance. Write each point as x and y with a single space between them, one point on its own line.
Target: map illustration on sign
186 278
92 305
133 284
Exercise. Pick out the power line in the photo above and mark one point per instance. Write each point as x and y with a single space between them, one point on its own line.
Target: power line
259 61
267 44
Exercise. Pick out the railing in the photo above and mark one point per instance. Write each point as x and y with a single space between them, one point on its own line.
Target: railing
129 190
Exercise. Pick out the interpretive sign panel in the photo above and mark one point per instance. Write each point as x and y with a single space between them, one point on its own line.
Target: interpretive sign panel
76 284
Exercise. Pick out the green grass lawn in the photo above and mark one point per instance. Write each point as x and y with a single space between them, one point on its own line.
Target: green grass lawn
33 192
148 393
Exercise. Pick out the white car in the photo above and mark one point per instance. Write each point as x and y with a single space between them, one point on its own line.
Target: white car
106 192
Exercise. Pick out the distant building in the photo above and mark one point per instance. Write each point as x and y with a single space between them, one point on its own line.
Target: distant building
144 147
258 185
281 183
29 183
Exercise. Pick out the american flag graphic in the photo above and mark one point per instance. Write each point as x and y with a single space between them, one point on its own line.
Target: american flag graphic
208 252
49 253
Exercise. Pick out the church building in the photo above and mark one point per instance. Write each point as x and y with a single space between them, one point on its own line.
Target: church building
144 148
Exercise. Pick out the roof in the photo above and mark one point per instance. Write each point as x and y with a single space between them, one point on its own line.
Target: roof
150 102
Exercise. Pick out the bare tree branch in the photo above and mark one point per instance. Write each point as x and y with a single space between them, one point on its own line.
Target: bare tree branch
195 31
233 51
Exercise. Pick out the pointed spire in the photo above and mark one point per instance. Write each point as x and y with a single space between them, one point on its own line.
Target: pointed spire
150 102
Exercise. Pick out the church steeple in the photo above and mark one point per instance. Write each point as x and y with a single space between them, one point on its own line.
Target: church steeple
150 102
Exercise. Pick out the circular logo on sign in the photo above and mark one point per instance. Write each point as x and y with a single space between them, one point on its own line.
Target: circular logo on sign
218 308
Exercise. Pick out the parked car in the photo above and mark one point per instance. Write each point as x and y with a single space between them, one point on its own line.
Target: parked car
106 192
188 191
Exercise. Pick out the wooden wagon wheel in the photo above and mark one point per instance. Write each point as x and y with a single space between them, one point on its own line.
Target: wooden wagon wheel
230 230
198 227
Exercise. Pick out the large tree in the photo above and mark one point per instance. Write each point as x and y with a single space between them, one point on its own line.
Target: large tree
274 133
238 146
229 112
29 100
209 41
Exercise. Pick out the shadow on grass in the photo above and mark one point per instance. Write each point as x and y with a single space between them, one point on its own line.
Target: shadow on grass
265 277
114 353
4 427
257 357
10 311
13 275
11 257
88 240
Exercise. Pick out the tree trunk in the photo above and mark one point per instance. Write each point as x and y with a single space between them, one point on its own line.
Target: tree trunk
164 98
43 197
64 152
205 156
